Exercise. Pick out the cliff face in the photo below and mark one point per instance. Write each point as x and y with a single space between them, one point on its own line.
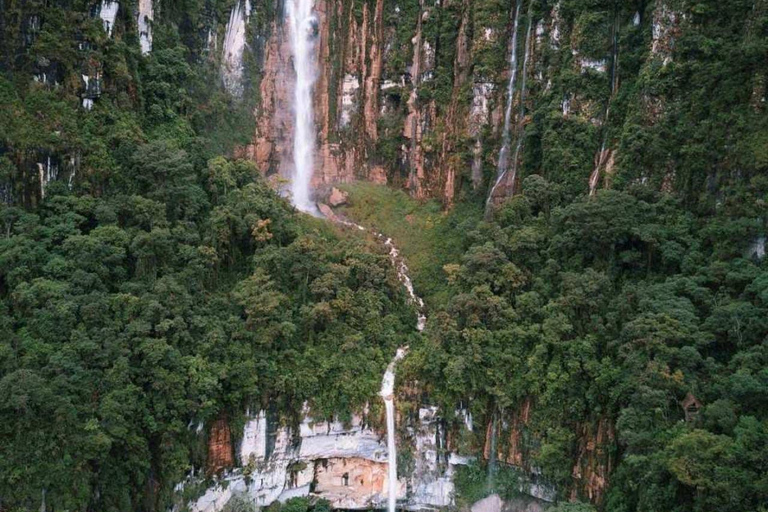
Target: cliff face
414 94
345 464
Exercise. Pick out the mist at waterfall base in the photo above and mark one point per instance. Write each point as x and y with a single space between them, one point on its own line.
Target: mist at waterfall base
303 34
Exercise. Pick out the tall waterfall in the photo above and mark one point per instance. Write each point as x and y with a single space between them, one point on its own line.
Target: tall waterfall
303 32
506 134
505 137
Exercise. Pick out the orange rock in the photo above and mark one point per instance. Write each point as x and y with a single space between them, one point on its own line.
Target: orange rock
220 447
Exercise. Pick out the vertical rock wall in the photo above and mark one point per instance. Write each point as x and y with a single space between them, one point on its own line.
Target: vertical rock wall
345 464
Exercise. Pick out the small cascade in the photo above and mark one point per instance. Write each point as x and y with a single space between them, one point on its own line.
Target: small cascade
145 25
604 157
303 32
504 163
400 267
234 45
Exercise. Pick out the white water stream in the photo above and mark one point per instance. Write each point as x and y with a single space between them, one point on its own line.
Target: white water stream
506 133
388 382
504 161
303 33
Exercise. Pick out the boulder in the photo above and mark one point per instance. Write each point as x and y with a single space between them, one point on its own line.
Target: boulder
491 503
338 197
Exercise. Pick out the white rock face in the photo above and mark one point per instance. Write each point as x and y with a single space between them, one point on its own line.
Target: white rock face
599 65
347 463
145 25
479 112
47 172
479 117
108 14
431 482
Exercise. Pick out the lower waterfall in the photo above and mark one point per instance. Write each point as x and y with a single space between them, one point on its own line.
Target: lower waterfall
387 393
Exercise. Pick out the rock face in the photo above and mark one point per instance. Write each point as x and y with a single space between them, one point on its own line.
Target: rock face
395 104
345 464
220 447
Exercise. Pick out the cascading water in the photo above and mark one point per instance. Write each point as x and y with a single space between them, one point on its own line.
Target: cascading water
604 155
388 382
506 133
504 161
522 97
303 32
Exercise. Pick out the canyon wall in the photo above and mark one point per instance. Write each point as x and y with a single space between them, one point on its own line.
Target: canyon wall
344 463
413 94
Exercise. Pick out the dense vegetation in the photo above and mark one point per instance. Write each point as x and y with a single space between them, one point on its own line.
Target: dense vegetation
615 307
156 283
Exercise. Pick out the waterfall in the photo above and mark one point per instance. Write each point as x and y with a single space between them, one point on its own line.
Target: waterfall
387 393
388 382
234 45
603 156
504 162
521 116
303 32
505 136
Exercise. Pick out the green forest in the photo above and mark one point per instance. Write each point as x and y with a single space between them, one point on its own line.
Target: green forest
158 281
